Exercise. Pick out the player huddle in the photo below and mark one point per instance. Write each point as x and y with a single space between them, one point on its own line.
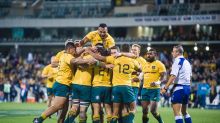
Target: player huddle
105 77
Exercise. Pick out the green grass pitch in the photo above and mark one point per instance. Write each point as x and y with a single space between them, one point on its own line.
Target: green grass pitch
24 113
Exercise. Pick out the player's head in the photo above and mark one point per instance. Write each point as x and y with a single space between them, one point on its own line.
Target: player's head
100 49
135 49
177 51
151 55
114 50
70 46
204 81
125 48
103 30
54 61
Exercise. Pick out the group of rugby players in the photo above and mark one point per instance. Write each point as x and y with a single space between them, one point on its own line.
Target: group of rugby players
104 77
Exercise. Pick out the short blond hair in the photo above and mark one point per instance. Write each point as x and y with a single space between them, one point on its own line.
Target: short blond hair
136 45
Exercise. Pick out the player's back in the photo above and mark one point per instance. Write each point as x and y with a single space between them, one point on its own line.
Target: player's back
65 69
123 69
102 76
83 76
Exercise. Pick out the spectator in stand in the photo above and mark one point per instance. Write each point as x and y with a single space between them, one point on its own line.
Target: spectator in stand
15 68
13 93
7 87
24 90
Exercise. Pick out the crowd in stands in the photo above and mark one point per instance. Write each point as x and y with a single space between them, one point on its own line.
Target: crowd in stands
176 33
20 77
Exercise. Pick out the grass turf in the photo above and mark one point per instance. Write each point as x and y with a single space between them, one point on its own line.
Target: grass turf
24 113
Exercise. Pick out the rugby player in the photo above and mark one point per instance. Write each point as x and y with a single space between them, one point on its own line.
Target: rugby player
61 87
101 89
81 91
122 92
49 73
101 35
154 71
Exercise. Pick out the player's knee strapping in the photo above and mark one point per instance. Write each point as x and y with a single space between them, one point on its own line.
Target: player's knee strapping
76 102
84 104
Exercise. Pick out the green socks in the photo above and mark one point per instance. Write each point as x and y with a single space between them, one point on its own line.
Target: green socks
158 117
145 118
128 118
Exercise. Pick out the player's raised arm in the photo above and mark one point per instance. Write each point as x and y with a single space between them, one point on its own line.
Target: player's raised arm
83 41
126 54
79 48
80 61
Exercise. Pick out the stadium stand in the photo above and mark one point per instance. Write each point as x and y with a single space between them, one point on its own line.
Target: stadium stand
28 70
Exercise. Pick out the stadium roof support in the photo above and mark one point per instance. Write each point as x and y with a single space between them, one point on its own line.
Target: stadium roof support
111 21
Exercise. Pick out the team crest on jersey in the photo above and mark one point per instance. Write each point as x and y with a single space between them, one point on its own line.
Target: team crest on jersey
153 67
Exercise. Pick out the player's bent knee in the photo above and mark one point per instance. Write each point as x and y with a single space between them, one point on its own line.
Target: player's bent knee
153 111
59 106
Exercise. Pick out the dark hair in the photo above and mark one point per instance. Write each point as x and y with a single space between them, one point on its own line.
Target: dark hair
99 45
103 25
152 50
102 50
125 48
69 45
179 48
